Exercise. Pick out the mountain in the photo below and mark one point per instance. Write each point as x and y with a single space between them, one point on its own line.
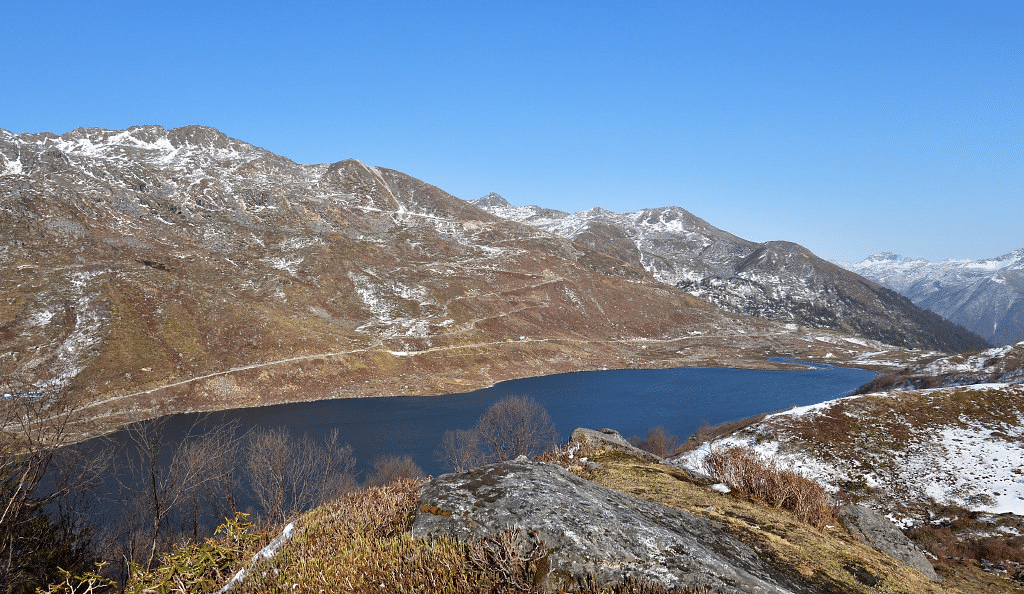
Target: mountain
776 280
984 296
151 270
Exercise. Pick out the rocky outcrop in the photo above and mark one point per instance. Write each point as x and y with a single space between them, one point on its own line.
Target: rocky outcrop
590 531
874 529
609 439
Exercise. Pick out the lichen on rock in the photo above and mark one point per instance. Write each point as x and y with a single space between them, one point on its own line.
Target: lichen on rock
590 531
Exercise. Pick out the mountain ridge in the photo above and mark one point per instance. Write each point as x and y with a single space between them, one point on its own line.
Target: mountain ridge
776 280
155 271
985 296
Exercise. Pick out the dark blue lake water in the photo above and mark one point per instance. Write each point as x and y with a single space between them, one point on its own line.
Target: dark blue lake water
629 401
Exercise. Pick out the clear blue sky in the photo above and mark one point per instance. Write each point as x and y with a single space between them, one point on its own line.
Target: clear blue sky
848 127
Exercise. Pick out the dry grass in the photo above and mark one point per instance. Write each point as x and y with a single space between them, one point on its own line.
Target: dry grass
763 480
830 560
361 543
779 538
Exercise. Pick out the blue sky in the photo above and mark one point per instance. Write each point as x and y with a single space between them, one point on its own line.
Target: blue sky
848 127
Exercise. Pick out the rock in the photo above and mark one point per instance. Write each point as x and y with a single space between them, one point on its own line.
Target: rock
873 528
609 439
589 530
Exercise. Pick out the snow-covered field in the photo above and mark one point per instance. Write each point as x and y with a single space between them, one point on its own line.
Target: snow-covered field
951 451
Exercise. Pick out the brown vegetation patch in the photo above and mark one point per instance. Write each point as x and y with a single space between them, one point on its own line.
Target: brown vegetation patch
812 556
763 480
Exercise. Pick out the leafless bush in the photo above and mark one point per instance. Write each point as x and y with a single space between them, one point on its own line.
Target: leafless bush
515 426
210 460
392 469
747 473
39 484
460 450
167 483
514 566
658 442
288 475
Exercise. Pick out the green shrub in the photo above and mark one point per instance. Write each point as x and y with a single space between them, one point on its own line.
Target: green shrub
200 567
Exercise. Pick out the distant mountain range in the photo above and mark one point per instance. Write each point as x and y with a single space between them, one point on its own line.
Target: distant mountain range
152 271
985 296
777 280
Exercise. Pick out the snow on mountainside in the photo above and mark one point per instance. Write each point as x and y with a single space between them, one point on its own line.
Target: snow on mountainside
154 271
943 463
776 280
1003 364
906 452
985 296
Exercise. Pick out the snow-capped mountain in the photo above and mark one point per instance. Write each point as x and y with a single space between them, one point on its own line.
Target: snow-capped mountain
985 296
776 280
164 270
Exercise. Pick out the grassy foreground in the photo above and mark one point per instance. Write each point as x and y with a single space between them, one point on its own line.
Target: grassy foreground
830 559
362 543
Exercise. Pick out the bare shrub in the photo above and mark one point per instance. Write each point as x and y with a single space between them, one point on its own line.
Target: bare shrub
168 484
515 426
393 469
208 464
288 475
460 450
514 567
748 474
658 442
40 531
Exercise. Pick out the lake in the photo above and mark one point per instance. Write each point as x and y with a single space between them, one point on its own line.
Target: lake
629 401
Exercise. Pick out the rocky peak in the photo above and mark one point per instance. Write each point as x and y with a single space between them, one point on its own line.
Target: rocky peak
491 200
985 296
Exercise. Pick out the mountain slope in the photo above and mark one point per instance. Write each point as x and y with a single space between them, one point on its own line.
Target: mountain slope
985 296
152 270
943 462
776 280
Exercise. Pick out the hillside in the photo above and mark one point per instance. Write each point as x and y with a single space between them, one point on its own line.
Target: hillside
992 366
985 296
434 537
942 463
152 270
776 280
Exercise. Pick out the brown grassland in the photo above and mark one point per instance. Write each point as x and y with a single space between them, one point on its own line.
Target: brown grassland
361 543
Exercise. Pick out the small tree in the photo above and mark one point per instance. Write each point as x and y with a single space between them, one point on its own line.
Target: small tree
515 426
391 469
658 442
289 475
38 532
460 450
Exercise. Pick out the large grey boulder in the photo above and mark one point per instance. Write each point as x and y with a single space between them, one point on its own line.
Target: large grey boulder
874 529
589 530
